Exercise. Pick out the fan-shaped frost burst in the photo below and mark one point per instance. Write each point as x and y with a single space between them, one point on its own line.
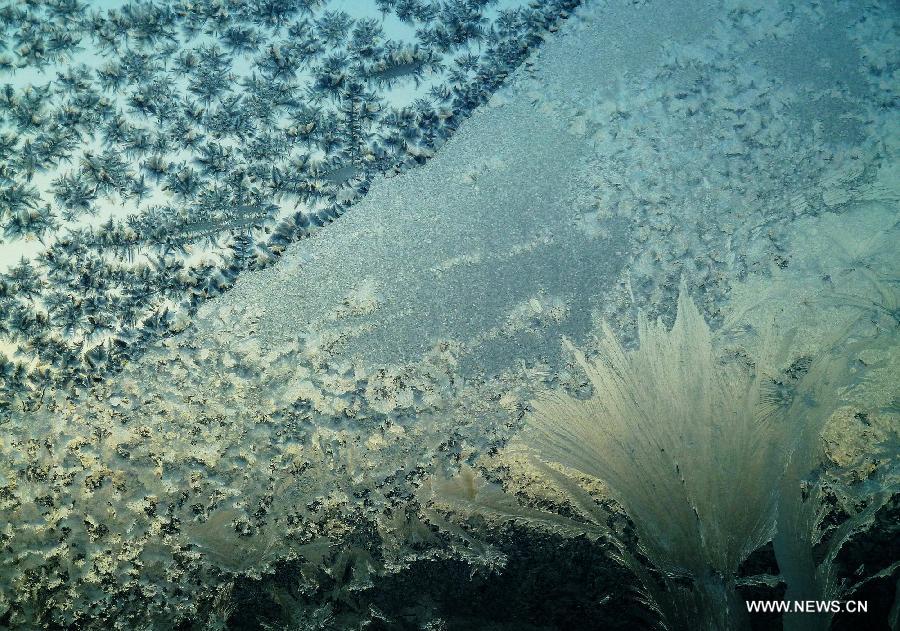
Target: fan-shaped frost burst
690 445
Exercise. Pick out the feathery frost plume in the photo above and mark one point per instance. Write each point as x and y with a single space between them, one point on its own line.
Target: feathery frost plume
690 445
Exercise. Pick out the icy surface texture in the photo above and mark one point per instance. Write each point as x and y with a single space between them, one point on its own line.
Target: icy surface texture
344 428
150 151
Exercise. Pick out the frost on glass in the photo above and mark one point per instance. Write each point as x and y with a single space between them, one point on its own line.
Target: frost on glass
380 426
151 151
713 454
